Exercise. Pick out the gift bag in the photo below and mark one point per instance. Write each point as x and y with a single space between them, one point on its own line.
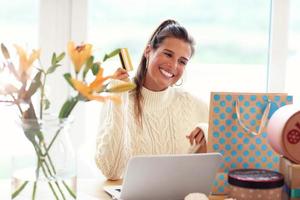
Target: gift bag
237 129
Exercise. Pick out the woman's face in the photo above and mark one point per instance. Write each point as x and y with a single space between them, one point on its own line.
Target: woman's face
166 63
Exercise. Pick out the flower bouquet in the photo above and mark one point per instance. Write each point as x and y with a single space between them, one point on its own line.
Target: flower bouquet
46 134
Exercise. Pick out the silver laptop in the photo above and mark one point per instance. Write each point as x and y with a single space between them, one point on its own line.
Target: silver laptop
167 176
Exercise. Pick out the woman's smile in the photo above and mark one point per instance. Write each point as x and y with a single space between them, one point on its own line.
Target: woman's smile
166 73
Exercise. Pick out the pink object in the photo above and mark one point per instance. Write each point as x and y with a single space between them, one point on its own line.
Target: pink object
284 132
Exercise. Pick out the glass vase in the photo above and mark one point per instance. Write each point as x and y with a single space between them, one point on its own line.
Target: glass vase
43 163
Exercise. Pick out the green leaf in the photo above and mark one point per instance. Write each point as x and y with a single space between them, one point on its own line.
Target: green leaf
88 66
68 77
35 84
53 59
68 107
60 57
90 62
95 68
30 134
46 104
112 54
5 51
82 98
52 68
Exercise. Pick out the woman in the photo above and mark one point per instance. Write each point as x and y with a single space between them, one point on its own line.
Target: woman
155 118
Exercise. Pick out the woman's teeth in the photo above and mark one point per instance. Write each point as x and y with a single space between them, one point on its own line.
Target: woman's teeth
167 74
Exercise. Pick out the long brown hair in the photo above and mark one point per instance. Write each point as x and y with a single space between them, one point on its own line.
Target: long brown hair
168 28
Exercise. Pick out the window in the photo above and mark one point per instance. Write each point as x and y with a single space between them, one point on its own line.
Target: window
19 22
231 37
293 61
18 25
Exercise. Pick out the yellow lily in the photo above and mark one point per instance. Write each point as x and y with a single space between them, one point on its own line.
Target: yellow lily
79 54
97 84
25 61
88 91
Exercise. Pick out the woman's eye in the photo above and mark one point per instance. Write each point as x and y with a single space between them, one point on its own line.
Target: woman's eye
168 54
183 62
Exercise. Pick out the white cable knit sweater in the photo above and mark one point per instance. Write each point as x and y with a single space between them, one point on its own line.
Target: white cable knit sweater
168 116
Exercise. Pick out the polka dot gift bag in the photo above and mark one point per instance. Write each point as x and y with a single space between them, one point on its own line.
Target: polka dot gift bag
237 129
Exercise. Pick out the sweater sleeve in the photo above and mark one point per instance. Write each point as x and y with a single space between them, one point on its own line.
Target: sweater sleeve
113 139
203 116
201 108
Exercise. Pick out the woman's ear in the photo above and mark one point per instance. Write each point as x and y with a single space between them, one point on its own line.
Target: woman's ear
147 51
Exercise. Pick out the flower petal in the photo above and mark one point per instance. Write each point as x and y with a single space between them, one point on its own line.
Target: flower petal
97 84
84 52
72 54
33 56
83 89
79 54
23 62
9 89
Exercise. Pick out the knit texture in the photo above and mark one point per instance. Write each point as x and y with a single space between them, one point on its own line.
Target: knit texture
168 116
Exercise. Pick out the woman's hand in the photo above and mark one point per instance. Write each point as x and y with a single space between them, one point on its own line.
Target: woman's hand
197 137
121 74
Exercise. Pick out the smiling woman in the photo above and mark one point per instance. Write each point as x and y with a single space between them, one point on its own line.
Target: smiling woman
156 118
231 42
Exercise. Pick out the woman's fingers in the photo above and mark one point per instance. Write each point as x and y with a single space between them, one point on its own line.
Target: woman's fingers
192 135
199 137
121 74
196 135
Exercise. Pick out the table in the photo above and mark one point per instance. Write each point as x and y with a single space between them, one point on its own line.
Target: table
92 189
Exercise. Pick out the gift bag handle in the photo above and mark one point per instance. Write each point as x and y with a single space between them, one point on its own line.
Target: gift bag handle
263 121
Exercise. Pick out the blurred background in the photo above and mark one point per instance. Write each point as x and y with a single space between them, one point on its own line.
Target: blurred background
242 46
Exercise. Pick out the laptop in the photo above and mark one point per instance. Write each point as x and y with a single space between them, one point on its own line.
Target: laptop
167 176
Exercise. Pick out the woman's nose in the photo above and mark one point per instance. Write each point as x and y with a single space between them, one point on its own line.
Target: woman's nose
173 63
